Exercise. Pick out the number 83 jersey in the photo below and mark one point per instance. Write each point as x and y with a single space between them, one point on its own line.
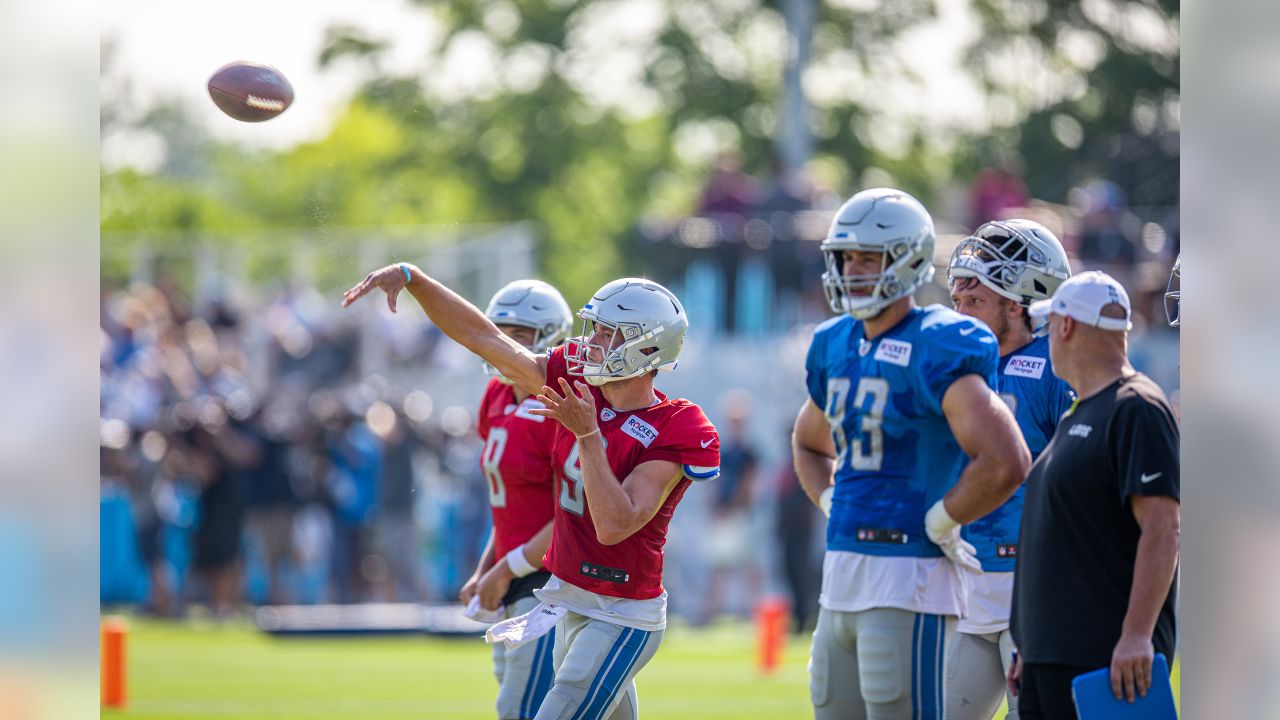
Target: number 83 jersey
895 453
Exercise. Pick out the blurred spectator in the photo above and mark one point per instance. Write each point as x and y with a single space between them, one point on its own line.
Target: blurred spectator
272 500
1106 241
729 190
398 538
793 261
727 200
355 456
994 192
788 192
730 539
797 521
212 461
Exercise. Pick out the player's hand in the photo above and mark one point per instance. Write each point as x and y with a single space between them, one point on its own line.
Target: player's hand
945 533
1014 678
1131 666
390 279
576 412
470 588
824 500
494 585
959 551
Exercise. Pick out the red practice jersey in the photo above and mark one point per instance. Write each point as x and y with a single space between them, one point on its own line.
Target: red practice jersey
673 430
517 466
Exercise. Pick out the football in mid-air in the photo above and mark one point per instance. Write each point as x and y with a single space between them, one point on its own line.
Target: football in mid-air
250 92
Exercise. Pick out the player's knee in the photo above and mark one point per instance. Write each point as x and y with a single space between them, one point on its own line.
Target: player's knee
514 702
526 676
509 707
560 703
628 706
881 667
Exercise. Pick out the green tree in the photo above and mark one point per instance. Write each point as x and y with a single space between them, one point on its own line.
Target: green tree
1084 89
600 112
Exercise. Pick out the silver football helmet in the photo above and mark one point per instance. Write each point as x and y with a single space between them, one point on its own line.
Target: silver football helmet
1173 295
881 220
531 304
646 325
1018 259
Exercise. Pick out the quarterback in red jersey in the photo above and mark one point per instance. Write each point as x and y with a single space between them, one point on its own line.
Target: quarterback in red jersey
670 430
624 455
516 462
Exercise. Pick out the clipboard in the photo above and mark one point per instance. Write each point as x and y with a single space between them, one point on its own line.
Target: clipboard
1093 699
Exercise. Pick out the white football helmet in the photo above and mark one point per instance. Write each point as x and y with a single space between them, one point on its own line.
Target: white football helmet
1173 295
1018 259
881 220
648 324
531 304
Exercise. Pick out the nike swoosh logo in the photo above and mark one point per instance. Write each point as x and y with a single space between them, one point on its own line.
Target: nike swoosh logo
707 442
1148 478
967 331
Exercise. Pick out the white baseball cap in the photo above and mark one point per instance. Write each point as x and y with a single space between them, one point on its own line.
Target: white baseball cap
1082 297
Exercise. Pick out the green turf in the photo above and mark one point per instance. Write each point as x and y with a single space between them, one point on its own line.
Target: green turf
194 670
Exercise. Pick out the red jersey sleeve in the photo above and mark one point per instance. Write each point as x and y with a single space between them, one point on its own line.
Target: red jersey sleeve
557 366
689 440
482 417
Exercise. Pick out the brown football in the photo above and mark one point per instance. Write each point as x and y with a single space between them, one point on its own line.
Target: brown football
250 92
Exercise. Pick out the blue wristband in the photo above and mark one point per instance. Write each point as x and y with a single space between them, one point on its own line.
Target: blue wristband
408 276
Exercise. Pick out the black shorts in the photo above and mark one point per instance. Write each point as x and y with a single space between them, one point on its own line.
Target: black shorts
217 538
1044 693
521 588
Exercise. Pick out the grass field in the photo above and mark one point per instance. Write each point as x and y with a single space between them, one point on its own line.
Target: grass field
193 670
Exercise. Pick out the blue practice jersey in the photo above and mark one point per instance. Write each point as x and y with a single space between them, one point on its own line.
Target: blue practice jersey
895 454
1038 399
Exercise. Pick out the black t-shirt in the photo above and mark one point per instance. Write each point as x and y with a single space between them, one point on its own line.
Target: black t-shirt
1079 538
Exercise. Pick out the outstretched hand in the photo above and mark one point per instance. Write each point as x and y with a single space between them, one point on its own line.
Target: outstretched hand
390 279
576 412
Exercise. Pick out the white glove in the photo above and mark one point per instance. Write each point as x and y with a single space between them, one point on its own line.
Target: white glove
945 533
479 614
824 500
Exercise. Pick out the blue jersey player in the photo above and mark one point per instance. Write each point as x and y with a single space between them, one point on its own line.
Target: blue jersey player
994 275
902 439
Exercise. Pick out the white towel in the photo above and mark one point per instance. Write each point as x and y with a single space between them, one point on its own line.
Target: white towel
479 614
526 628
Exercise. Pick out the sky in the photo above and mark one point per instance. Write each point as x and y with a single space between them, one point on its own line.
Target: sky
162 48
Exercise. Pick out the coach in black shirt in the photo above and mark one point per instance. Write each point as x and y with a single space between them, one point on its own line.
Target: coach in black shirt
1098 553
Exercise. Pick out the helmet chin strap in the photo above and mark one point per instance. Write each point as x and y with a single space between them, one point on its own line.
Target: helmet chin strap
863 312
